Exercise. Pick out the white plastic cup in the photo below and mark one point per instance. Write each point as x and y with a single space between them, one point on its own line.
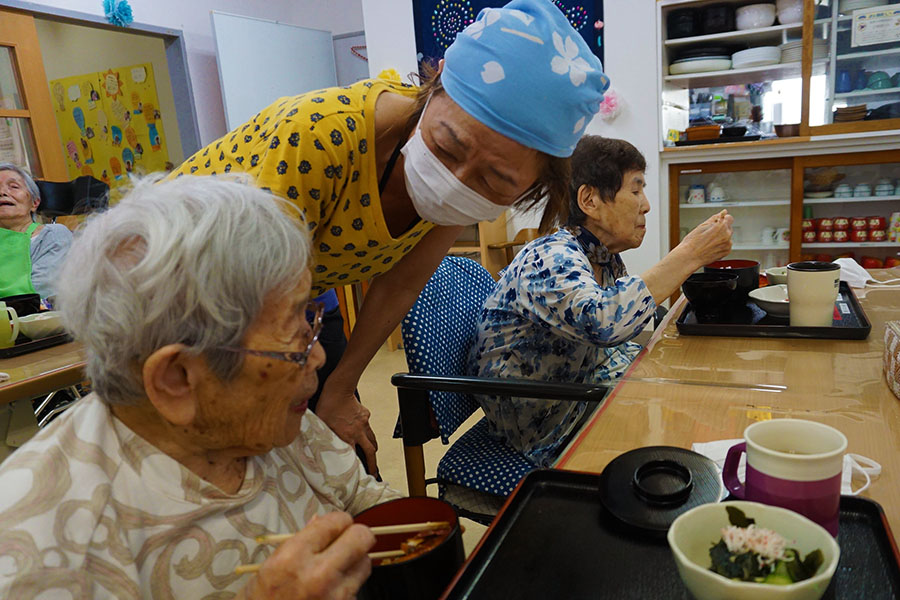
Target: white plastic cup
812 289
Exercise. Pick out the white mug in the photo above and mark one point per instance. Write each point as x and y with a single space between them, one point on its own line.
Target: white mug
768 236
812 289
716 193
9 316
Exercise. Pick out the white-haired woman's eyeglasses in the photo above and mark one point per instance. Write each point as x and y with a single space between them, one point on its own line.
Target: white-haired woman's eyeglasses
314 313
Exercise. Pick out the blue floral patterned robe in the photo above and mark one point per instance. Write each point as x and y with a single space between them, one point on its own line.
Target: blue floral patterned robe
549 319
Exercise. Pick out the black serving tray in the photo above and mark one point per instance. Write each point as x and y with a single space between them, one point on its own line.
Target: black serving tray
725 139
749 320
553 539
24 345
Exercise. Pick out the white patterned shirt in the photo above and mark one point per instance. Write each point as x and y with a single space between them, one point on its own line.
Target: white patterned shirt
550 319
88 509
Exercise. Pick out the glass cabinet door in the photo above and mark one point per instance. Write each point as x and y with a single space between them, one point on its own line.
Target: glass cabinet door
862 80
852 210
759 201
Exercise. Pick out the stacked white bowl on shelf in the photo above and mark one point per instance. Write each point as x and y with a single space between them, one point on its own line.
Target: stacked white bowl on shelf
793 51
790 12
755 16
756 57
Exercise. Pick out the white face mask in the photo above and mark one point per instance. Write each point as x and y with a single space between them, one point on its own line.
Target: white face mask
437 195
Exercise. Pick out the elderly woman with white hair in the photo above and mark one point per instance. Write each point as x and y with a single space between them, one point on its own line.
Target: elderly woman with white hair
31 252
192 299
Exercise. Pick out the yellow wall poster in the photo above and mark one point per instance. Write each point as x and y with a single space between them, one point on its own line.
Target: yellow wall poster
110 123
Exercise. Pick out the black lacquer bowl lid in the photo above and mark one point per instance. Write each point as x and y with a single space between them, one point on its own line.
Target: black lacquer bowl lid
648 488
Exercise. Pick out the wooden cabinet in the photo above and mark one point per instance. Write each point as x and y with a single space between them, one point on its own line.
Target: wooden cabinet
770 198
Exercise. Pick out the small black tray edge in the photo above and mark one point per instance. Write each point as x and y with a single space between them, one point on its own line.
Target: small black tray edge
35 345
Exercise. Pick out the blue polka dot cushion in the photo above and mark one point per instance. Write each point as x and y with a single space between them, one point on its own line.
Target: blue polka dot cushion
440 328
481 462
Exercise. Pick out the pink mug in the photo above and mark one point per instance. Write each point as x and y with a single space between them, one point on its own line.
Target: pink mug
793 464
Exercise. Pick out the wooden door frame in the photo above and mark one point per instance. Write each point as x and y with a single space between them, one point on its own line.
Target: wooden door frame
176 58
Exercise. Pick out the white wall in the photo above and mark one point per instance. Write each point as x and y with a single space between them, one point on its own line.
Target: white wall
192 17
630 61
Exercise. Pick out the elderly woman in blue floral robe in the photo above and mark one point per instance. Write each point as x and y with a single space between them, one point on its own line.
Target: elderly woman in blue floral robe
566 307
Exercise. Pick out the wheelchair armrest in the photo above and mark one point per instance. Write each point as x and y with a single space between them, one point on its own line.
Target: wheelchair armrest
523 388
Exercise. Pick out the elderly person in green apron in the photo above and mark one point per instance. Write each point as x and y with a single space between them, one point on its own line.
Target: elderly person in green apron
31 252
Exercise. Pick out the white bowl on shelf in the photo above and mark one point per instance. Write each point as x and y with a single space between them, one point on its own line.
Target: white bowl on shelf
755 16
756 57
790 12
700 66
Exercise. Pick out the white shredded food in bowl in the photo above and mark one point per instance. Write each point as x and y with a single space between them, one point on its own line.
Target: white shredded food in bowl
768 544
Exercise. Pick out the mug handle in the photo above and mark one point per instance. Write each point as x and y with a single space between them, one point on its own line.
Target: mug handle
14 318
729 470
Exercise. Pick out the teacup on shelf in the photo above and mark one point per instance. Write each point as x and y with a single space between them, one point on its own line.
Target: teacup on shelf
863 190
844 190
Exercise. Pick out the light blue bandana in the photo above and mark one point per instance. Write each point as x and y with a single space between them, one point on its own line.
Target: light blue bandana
523 71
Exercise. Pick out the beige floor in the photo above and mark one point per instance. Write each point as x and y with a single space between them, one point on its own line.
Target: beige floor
380 397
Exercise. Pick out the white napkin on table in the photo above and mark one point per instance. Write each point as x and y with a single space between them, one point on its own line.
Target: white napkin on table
866 467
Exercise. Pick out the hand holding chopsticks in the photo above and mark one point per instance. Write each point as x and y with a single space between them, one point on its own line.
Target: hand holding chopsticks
381 530
327 559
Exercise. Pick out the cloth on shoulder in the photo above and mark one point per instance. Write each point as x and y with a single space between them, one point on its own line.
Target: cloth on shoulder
549 318
48 251
91 510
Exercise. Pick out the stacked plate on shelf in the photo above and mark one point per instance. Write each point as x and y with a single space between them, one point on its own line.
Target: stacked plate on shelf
756 57
793 51
850 113
701 60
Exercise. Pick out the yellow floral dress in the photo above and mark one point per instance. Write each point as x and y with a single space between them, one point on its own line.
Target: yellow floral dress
317 150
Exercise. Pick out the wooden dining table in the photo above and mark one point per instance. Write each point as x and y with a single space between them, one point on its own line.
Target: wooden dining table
41 372
685 389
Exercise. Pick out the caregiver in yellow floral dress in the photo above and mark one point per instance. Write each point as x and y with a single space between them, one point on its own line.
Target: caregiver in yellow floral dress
386 174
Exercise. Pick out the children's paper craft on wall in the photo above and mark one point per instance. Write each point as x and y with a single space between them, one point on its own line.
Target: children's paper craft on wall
109 124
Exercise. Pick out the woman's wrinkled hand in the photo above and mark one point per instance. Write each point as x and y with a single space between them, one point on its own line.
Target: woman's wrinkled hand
710 240
328 559
349 420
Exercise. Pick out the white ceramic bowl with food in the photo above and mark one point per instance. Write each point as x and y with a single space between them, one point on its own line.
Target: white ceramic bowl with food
777 275
755 16
773 299
696 531
41 325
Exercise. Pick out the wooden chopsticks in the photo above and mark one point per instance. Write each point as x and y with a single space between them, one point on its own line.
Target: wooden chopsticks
381 530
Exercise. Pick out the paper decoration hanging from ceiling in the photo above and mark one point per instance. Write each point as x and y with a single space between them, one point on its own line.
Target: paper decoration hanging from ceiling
109 124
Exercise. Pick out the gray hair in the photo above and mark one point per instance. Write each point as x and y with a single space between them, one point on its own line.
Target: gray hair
187 261
30 185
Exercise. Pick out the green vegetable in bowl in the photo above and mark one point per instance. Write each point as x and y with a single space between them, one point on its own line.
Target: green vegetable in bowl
753 554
